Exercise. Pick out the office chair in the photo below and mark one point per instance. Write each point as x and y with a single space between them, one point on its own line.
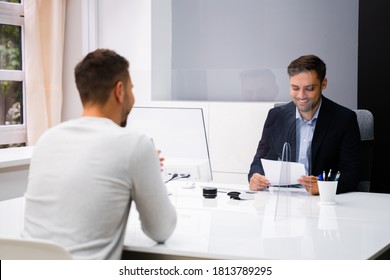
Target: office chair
277 104
366 126
31 249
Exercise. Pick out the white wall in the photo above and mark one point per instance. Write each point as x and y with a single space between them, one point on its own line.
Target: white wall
73 53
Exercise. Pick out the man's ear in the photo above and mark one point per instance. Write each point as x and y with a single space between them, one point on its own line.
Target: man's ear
119 93
324 83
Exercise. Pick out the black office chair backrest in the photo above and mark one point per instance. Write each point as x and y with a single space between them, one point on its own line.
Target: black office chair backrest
366 126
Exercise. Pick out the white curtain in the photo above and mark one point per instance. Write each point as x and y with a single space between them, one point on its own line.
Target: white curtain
44 45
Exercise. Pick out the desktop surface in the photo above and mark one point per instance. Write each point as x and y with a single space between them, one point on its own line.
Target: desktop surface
286 224
273 224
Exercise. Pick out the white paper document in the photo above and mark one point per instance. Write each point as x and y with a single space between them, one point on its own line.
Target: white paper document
282 172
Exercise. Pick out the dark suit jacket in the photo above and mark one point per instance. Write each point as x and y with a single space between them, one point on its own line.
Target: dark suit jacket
335 143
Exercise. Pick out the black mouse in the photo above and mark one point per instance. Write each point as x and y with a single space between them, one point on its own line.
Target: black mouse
234 195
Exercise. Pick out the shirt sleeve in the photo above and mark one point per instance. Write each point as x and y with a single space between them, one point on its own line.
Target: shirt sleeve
157 214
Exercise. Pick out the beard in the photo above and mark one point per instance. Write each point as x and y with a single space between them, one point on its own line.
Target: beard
123 123
125 114
129 102
125 111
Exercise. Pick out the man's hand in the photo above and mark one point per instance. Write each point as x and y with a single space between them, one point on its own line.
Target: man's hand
258 182
310 183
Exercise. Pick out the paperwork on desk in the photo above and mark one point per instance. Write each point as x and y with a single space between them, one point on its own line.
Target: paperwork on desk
282 173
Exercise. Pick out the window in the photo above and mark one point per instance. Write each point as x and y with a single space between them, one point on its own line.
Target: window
13 132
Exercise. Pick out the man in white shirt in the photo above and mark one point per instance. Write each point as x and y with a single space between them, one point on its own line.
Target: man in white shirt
85 173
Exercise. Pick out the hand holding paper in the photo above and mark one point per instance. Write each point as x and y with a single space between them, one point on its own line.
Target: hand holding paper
281 173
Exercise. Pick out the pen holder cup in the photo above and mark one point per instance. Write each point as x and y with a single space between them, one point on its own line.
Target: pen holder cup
327 190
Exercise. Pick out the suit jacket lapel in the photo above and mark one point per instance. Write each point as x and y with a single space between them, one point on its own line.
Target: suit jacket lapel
322 126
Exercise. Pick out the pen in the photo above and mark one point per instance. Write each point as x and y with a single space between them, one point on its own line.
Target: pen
323 175
330 172
337 176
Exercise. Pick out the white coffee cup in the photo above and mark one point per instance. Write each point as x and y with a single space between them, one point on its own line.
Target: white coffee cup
327 191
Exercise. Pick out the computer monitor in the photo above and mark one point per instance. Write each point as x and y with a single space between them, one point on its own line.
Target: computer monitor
180 134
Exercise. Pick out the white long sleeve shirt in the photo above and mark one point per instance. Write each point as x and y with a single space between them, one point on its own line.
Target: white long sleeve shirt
84 174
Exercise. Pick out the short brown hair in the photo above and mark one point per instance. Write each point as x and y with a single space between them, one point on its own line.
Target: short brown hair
307 63
98 73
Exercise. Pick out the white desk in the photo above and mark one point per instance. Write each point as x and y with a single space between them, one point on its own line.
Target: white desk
14 167
358 227
15 156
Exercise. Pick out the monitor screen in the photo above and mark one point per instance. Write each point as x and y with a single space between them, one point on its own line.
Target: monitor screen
180 134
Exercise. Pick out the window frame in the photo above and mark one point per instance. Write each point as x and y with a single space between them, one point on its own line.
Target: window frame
13 14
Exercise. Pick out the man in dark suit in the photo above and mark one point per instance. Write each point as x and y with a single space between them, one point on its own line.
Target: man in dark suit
320 133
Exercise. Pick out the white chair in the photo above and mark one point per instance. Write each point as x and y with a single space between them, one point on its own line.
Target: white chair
31 249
